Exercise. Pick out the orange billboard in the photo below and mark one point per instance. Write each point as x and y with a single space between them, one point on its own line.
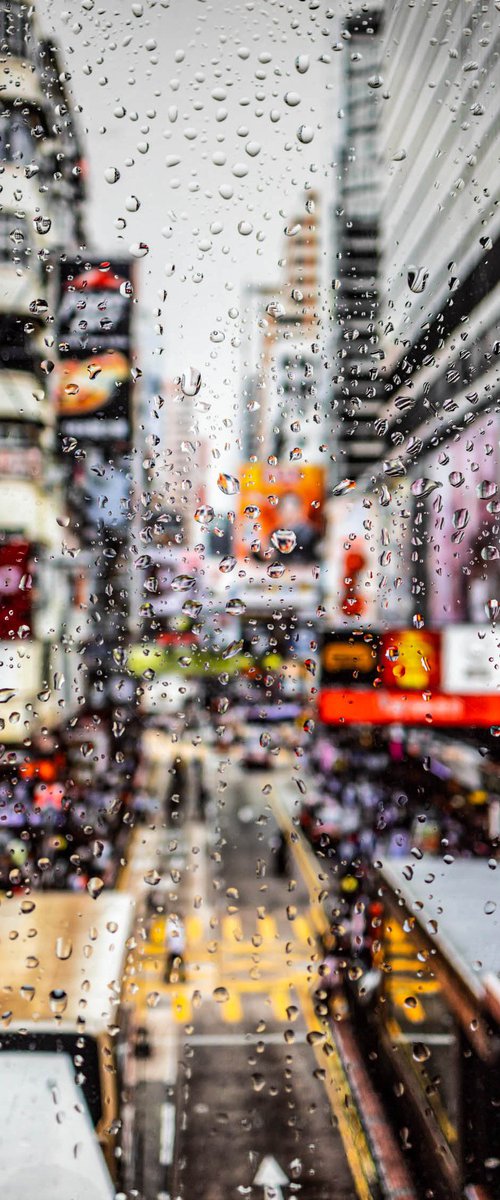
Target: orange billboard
276 502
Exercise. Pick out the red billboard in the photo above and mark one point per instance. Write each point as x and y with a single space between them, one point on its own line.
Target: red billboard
92 378
15 590
409 660
379 706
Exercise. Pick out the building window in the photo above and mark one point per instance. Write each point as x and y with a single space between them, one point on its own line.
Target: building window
14 238
14 29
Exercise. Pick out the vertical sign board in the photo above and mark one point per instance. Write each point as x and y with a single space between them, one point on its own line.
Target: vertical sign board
92 377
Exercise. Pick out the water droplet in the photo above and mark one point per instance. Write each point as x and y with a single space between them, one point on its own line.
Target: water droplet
95 886
292 99
417 278
302 63
43 225
221 995
305 134
345 485
235 606
424 486
111 175
64 948
275 570
284 540
420 1052
58 1001
232 649
152 877
228 484
204 514
486 489
227 564
182 583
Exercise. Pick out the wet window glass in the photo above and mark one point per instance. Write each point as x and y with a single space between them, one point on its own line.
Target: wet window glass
249 600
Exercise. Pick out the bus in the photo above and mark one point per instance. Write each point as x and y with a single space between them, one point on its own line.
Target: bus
64 958
48 1147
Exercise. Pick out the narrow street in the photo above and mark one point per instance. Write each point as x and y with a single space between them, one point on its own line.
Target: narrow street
242 1093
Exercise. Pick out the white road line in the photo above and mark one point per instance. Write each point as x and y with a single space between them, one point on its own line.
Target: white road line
167 1133
242 1039
432 1039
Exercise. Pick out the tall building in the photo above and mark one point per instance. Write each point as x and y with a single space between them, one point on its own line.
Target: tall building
40 216
283 365
357 386
441 255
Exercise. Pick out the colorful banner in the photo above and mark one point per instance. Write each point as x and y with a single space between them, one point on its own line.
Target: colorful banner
274 499
15 590
349 659
410 660
377 706
92 377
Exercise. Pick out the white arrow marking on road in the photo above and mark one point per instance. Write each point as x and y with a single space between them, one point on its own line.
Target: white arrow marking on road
271 1178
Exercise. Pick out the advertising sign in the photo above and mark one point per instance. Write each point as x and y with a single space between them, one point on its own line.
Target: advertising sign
409 660
471 659
92 377
15 590
350 571
274 499
349 659
381 707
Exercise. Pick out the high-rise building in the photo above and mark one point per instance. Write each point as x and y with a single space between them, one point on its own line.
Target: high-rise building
357 386
441 254
40 216
283 350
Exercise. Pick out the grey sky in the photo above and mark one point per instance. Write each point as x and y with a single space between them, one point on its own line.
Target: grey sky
192 77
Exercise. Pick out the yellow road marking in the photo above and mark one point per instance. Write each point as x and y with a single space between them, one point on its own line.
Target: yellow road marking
194 930
232 1010
358 1154
280 1001
268 930
232 929
302 930
181 1006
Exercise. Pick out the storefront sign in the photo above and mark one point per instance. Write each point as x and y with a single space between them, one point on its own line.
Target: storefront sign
410 660
377 706
471 659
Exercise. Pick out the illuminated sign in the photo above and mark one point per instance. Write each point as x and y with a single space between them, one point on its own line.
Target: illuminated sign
379 706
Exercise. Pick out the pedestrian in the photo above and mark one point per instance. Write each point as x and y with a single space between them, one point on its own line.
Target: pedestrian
175 940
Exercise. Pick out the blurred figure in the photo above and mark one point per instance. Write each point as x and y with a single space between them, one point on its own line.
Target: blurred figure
175 940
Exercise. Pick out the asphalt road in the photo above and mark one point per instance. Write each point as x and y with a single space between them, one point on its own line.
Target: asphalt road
252 1115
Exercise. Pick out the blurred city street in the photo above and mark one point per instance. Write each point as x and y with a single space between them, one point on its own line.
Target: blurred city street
249 600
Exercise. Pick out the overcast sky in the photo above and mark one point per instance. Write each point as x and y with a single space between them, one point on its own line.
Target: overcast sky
198 107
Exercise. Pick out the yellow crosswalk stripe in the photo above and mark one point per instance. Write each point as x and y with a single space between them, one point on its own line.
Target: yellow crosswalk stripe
181 1006
268 929
302 930
194 930
280 1002
232 930
232 1010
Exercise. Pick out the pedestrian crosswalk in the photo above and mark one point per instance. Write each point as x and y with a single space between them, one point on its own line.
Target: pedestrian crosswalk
230 960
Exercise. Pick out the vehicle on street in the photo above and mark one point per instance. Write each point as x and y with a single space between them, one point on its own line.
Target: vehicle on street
68 998
49 1149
